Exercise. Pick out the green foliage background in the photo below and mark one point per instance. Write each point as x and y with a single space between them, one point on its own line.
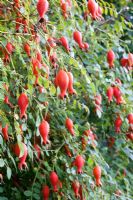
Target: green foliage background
91 76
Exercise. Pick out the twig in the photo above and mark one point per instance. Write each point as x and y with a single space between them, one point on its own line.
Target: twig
112 18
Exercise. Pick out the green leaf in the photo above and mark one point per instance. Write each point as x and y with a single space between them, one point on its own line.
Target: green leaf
1 140
128 152
90 162
9 172
42 97
105 10
99 113
1 189
111 12
2 162
38 120
52 90
21 146
36 196
27 193
93 88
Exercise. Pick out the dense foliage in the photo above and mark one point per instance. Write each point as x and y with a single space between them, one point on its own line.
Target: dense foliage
81 133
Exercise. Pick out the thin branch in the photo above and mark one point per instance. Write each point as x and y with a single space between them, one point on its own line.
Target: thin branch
111 19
